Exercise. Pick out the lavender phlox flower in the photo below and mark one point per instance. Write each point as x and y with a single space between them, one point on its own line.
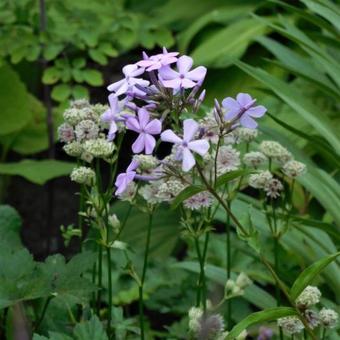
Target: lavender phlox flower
111 116
128 84
187 144
146 129
155 62
183 78
243 109
125 178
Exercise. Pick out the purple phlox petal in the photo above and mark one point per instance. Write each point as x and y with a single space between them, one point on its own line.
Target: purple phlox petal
125 178
184 64
139 144
188 160
154 127
170 137
112 131
132 70
257 111
247 121
174 83
187 83
244 99
190 127
132 123
197 74
150 143
200 146
167 73
143 117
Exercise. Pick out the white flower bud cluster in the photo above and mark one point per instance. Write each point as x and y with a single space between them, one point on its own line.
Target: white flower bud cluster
237 287
83 175
130 193
195 315
254 159
168 190
275 151
86 130
99 148
150 192
309 297
291 325
273 188
73 149
228 159
199 201
294 168
245 135
146 162
260 180
328 317
66 133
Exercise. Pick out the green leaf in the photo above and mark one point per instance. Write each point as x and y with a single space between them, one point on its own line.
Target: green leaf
108 49
227 177
308 275
90 330
79 63
79 92
51 75
14 102
38 172
297 102
228 44
185 194
93 77
61 92
98 56
10 225
269 314
52 50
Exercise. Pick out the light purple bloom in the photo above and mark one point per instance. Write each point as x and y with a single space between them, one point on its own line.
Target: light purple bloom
184 78
131 72
146 129
187 144
125 178
110 116
155 62
243 109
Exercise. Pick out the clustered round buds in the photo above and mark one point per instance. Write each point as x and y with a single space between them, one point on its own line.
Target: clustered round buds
73 149
312 318
168 190
99 148
66 133
260 180
290 325
254 159
310 296
245 135
328 317
293 168
228 159
273 188
199 201
146 162
86 130
83 175
236 287
275 151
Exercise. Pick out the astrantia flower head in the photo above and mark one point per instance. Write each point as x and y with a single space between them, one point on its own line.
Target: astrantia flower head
310 296
100 148
260 180
146 162
146 129
245 135
243 280
80 103
210 327
195 315
183 78
86 130
293 168
169 189
312 318
83 175
187 145
73 116
243 110
291 324
66 133
328 317
273 188
73 149
228 159
199 201
275 151
254 159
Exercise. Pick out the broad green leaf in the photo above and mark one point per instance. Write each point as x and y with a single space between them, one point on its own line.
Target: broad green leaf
229 43
266 315
14 102
93 77
308 275
98 56
227 177
10 225
51 50
79 92
51 75
221 15
61 92
38 172
297 102
108 49
90 330
52 336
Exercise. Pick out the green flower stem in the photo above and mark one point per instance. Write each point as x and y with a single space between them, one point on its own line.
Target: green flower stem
228 265
43 313
199 287
323 337
100 269
141 285
80 217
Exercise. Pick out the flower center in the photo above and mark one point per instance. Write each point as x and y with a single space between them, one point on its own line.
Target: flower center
182 76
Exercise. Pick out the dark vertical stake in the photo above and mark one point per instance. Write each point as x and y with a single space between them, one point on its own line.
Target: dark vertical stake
50 129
